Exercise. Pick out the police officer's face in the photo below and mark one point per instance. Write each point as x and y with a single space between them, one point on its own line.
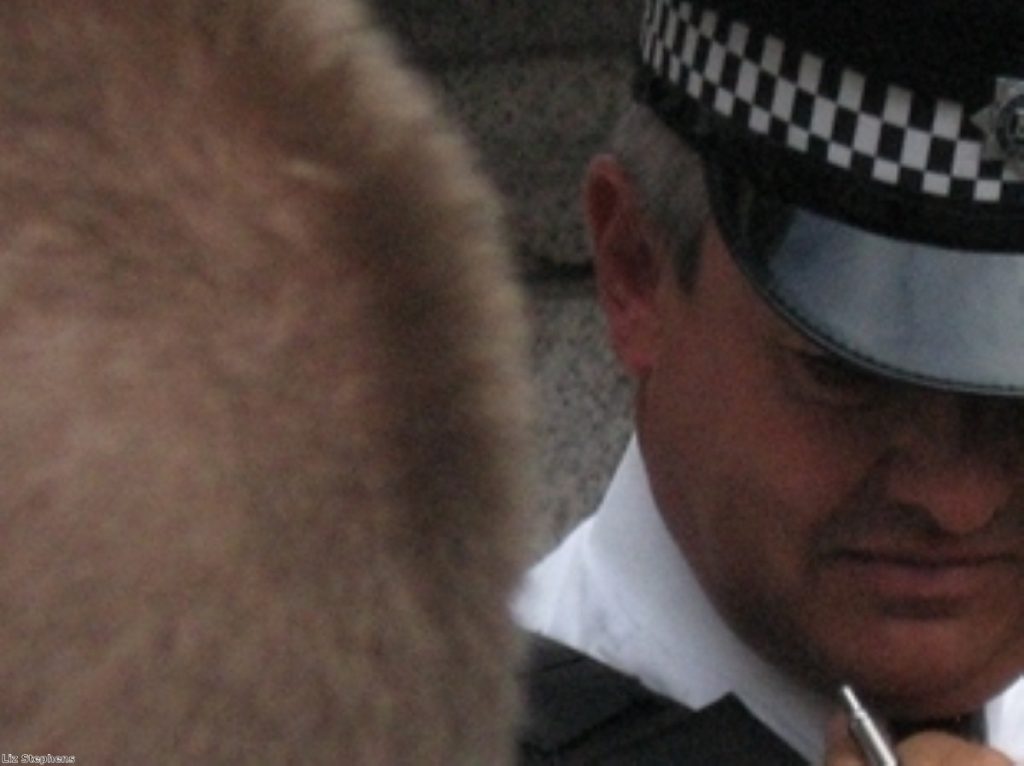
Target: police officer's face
848 527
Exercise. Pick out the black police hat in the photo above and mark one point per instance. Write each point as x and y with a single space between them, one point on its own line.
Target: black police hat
866 166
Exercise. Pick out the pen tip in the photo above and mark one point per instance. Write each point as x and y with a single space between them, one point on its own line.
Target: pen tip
849 698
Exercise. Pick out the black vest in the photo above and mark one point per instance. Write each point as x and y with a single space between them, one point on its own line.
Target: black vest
582 712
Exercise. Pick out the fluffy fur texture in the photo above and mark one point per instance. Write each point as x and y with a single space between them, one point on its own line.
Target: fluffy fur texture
261 395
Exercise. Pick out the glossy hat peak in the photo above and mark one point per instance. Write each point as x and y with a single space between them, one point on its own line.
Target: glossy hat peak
866 165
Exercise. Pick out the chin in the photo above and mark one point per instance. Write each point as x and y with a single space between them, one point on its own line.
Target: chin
926 676
906 662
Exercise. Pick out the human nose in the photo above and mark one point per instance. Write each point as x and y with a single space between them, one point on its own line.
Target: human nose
959 480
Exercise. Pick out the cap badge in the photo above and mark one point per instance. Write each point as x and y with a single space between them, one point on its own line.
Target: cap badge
1003 123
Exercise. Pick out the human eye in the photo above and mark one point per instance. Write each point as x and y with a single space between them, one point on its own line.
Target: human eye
821 377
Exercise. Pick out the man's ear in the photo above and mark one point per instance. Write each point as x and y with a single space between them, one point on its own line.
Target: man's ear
627 264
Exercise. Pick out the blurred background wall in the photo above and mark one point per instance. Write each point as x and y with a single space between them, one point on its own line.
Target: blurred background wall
538 85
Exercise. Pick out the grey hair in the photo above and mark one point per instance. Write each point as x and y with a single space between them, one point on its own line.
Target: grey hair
669 180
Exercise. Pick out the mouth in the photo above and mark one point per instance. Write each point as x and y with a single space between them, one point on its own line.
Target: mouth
925 581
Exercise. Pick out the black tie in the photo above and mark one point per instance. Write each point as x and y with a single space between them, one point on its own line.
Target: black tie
968 726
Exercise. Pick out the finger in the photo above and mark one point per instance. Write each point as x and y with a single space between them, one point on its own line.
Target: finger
939 749
840 748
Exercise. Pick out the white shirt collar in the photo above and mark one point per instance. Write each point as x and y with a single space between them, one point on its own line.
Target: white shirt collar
619 589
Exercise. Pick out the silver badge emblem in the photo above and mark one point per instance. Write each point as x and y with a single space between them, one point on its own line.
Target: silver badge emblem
1003 123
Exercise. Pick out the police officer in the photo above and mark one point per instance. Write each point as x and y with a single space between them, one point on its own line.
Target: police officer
809 246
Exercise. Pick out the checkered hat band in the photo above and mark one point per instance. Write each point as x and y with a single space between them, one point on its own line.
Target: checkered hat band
812 106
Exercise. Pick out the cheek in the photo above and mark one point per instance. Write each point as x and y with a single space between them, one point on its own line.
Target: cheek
746 479
724 410
744 475
742 485
779 468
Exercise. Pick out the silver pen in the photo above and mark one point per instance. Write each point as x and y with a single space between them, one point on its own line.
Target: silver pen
865 731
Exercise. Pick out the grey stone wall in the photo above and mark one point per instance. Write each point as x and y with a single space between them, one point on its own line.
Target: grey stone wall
538 85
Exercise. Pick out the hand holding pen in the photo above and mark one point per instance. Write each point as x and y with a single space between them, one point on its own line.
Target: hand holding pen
856 739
